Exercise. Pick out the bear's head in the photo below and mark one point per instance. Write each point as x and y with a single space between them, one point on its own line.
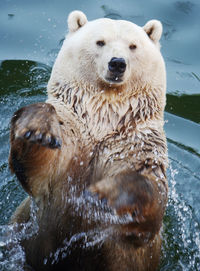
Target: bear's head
109 53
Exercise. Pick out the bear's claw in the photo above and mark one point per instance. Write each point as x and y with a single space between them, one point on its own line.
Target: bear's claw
45 140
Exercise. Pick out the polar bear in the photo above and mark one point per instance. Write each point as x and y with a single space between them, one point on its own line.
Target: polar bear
93 157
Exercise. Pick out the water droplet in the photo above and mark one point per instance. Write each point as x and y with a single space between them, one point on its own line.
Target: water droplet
2 244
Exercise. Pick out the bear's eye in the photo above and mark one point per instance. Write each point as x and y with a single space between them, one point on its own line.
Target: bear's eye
100 43
132 47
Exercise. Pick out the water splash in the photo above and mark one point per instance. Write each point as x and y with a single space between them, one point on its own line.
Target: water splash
87 239
181 239
12 256
181 234
91 208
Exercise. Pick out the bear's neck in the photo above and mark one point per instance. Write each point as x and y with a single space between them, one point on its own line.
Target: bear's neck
110 111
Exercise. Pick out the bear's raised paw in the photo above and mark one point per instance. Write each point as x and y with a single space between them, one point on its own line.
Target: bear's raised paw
37 123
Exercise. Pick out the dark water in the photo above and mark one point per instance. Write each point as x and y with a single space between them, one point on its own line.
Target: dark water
31 33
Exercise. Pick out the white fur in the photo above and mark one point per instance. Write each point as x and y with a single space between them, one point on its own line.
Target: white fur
80 59
79 74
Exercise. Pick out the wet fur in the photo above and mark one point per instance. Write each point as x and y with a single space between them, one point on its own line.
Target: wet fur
124 168
106 140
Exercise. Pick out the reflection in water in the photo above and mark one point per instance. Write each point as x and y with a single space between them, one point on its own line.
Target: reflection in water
187 106
169 30
184 6
110 13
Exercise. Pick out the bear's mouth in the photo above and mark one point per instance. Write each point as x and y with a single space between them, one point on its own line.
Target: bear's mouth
114 79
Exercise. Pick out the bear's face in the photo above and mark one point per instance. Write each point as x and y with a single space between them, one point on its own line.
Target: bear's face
111 53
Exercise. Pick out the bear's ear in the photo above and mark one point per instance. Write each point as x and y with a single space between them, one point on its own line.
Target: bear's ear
76 19
153 29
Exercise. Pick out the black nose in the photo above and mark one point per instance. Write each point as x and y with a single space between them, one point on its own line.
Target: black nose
117 65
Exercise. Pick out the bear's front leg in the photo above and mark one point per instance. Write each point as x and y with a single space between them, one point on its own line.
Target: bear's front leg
35 140
144 198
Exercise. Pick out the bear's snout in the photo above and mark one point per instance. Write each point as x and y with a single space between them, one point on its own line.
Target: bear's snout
117 66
